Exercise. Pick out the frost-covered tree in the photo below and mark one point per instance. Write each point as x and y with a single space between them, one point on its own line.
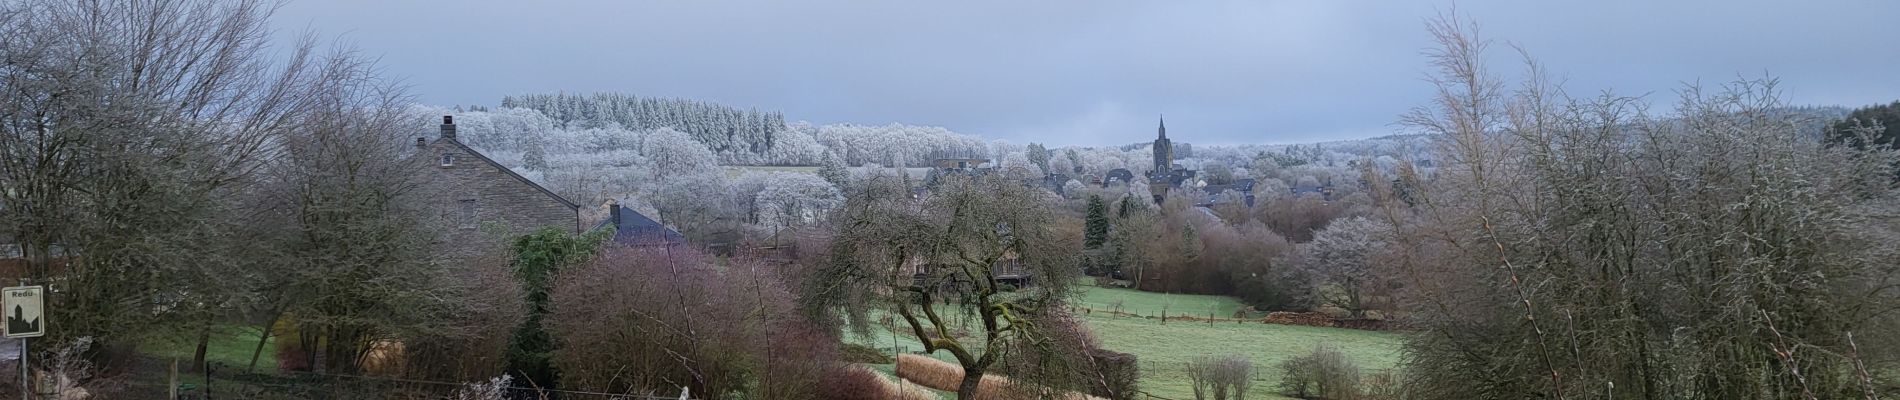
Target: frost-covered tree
832 168
1217 174
1343 258
1039 156
730 132
672 153
1582 247
788 199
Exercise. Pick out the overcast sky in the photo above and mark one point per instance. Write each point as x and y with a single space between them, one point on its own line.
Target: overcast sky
1096 72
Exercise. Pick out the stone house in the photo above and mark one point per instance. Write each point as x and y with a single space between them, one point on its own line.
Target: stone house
481 204
945 278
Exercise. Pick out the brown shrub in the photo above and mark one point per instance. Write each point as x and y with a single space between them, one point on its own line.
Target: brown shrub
474 345
1299 318
655 319
1115 374
1324 373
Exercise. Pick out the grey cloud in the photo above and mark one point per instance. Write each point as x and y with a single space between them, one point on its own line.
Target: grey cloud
1094 72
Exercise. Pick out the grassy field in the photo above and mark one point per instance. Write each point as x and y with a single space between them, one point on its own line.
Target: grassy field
230 345
1154 304
1164 349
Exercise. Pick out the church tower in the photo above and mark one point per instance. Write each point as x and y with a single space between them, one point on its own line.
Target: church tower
1164 151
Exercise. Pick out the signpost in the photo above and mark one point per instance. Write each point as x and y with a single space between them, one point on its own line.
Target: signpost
25 311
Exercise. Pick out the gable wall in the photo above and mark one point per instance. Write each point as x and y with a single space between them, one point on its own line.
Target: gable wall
504 206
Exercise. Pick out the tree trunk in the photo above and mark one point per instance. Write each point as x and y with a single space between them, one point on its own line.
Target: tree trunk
263 336
972 377
204 343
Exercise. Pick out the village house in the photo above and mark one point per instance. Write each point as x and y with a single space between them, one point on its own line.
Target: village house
948 278
481 204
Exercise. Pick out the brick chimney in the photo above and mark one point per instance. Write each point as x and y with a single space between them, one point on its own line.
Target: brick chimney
448 127
420 142
613 214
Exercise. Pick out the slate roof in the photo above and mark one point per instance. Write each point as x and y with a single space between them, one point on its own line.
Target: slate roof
635 229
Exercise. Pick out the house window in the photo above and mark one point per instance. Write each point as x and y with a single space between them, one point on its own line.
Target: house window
448 159
467 212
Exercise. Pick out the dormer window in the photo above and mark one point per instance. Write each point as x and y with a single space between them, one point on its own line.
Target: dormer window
448 159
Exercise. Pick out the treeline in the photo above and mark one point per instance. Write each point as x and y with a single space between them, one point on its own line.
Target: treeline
725 129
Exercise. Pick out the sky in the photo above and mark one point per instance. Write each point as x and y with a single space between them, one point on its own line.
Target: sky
1097 72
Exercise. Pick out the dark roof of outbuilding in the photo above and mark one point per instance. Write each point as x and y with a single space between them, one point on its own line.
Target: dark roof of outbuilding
635 228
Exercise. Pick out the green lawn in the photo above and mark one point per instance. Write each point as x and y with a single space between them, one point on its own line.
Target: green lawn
229 350
1164 350
1153 304
230 345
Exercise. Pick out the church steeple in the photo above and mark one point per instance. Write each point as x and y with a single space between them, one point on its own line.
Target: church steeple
1164 152
1163 130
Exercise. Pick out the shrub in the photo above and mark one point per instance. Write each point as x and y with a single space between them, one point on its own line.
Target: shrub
859 383
1115 374
490 306
657 319
850 383
1220 378
1325 373
1382 385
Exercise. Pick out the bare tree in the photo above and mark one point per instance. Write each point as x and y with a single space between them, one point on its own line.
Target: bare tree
129 132
344 241
1220 378
1581 246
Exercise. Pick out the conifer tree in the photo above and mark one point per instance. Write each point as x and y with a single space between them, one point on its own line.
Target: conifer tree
834 170
1097 233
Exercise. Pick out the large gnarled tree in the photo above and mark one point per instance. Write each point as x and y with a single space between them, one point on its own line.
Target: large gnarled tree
939 255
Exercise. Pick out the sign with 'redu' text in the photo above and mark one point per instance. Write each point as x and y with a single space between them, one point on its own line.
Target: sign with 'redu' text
25 311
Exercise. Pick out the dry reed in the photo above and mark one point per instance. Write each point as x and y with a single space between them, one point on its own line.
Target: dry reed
942 375
899 390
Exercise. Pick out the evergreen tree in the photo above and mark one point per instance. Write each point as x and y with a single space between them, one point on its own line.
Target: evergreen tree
1849 130
1097 233
539 257
1127 208
535 157
832 168
1040 156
